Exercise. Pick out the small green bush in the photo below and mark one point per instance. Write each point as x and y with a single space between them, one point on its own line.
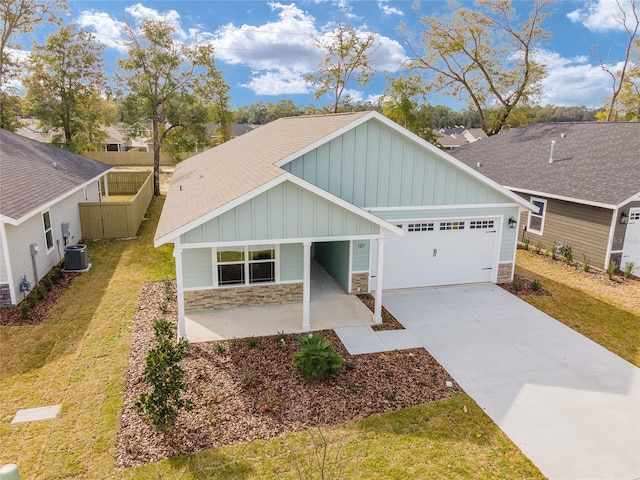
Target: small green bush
219 348
554 250
611 269
25 308
628 269
40 292
535 285
525 243
317 359
252 341
586 263
538 247
163 372
516 285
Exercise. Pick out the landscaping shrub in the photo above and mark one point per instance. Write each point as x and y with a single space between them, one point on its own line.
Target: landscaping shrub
525 243
611 269
25 308
317 359
516 285
628 269
535 285
162 405
586 263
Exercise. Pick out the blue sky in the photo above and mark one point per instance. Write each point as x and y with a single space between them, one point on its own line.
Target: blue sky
265 48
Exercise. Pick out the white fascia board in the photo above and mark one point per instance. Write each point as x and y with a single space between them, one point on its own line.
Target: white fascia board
172 236
343 203
322 141
441 207
280 241
561 197
633 198
48 205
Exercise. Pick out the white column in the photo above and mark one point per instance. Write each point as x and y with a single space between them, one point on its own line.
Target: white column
182 331
377 309
106 187
306 287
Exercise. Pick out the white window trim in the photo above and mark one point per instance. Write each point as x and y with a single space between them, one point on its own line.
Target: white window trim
542 217
246 262
45 230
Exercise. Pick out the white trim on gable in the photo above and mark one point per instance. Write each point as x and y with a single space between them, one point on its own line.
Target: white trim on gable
169 237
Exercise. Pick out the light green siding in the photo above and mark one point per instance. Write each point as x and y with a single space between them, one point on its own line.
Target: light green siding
285 211
360 256
334 257
197 265
507 246
291 261
373 166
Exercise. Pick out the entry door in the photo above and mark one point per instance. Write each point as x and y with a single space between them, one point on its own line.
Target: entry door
631 249
441 252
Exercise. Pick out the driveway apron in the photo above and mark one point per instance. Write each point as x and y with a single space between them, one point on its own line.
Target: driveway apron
570 405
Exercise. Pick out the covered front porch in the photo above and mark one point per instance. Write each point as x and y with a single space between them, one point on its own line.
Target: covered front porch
329 307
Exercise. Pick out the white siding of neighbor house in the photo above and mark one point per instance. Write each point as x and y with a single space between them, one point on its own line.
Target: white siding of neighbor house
374 166
508 235
285 211
20 237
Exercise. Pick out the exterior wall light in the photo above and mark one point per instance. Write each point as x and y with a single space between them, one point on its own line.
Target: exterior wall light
624 216
512 222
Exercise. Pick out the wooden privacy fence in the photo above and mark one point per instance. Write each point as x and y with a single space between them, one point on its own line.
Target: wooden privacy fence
100 220
133 158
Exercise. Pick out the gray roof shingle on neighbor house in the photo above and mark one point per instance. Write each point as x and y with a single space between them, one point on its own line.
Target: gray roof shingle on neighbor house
215 177
595 162
33 174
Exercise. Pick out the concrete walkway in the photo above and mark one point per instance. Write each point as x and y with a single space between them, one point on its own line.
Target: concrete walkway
570 405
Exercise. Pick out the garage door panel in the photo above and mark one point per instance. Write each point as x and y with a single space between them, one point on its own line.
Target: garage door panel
440 257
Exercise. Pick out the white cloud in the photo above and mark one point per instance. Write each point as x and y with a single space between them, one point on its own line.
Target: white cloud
108 30
279 82
603 15
573 81
384 6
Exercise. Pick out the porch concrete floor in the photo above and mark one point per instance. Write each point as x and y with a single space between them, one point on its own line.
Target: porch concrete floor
330 307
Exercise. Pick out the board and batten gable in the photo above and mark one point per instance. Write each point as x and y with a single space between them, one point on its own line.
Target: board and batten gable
285 211
373 165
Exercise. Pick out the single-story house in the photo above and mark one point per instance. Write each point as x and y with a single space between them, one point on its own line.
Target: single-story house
583 178
374 204
456 137
40 189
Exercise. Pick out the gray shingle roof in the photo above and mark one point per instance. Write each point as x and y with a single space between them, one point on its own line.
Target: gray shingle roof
33 174
215 177
593 162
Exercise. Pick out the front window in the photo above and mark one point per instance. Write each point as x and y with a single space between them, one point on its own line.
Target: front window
536 218
48 232
246 265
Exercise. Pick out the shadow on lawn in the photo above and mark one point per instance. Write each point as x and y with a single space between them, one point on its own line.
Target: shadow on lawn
30 347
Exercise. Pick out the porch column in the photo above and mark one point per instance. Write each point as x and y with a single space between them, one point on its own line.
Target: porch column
377 309
306 287
106 187
182 331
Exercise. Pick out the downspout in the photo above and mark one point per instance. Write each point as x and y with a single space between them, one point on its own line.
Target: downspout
34 251
612 231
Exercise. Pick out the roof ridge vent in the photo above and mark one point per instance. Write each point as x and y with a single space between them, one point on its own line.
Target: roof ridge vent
553 144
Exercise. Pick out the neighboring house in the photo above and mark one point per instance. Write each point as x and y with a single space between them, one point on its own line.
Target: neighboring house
371 202
584 179
450 138
40 188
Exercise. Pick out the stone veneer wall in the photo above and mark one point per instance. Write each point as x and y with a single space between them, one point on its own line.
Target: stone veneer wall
504 272
5 296
359 281
256 295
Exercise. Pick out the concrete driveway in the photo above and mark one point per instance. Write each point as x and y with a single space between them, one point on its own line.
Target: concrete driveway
570 405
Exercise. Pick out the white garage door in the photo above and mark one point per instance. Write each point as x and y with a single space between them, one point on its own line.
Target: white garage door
631 249
441 252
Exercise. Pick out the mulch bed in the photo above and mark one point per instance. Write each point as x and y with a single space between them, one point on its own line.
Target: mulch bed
523 286
389 322
10 316
230 383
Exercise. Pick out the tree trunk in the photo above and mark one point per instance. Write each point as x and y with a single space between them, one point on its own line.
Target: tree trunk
156 153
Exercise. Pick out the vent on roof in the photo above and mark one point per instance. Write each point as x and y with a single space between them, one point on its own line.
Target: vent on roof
553 144
54 165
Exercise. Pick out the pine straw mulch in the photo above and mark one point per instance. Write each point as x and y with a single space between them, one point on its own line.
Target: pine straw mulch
10 316
230 383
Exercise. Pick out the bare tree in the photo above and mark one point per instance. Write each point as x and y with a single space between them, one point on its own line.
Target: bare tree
485 56
348 53
630 21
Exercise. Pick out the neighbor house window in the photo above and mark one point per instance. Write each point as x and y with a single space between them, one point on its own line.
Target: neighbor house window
246 265
536 218
48 232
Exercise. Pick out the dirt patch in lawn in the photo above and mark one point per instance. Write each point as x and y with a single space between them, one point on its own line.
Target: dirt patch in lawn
230 383
524 286
11 316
